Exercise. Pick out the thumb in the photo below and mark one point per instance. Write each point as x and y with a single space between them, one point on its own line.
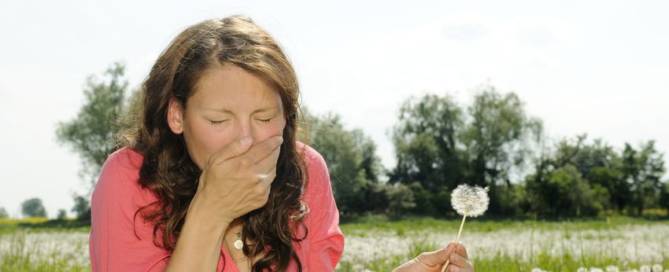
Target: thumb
437 257
231 150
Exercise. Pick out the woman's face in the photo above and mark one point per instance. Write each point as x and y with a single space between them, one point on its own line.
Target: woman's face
228 104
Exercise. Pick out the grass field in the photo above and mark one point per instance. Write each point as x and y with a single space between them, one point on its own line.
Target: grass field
378 244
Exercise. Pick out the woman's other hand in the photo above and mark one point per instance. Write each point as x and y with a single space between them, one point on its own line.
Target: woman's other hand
433 261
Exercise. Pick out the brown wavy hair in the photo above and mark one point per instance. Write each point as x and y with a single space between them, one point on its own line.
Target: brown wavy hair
167 169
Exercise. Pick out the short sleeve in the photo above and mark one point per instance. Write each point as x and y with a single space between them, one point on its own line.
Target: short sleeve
326 241
119 241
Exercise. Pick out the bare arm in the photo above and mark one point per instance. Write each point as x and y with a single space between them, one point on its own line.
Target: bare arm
199 245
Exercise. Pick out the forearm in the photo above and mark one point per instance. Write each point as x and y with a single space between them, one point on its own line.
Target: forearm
198 247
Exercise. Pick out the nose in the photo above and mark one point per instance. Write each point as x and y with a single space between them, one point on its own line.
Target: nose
245 130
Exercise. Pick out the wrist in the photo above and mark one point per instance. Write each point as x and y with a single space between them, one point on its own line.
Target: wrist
201 211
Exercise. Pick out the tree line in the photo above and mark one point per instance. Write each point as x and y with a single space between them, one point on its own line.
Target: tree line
493 143
439 143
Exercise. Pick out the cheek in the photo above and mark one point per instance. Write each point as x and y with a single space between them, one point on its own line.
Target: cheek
272 129
205 140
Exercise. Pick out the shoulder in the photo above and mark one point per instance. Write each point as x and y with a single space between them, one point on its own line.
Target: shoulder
313 160
118 183
124 159
317 177
120 169
316 168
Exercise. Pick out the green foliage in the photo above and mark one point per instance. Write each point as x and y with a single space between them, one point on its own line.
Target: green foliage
440 145
642 169
33 207
580 178
91 134
3 213
62 214
664 196
352 162
81 208
575 196
426 144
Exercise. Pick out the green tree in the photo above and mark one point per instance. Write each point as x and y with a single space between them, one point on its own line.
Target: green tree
351 157
577 197
428 151
33 207
439 145
426 143
81 208
498 139
91 134
3 213
62 214
642 170
601 165
664 196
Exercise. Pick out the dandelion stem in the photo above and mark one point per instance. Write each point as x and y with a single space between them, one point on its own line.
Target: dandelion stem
457 239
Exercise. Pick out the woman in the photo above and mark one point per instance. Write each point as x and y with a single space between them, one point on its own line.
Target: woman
211 177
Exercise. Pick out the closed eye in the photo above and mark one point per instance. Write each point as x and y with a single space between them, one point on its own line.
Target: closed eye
217 122
265 120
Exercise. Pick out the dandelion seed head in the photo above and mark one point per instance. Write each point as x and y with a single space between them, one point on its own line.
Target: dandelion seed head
470 201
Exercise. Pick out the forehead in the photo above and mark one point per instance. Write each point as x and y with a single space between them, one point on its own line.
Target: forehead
230 86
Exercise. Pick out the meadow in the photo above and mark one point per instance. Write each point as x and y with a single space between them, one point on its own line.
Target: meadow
377 244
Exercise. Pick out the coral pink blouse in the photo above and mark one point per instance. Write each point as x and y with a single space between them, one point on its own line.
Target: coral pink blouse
121 242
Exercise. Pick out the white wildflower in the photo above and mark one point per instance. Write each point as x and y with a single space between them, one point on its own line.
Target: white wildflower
537 270
644 268
582 269
470 201
657 268
596 269
612 268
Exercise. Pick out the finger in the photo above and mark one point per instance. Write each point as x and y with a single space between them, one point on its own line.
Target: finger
263 149
436 257
230 151
459 261
450 248
461 250
266 165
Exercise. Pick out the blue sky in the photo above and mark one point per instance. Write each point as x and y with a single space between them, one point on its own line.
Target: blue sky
595 67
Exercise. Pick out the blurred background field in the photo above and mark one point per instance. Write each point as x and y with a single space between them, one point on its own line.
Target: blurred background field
375 243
